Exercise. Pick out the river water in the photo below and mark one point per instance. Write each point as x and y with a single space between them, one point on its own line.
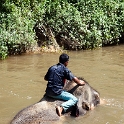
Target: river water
22 83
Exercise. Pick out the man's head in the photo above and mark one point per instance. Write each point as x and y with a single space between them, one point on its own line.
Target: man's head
64 58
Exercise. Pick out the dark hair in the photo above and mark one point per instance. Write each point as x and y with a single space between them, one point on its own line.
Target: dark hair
63 58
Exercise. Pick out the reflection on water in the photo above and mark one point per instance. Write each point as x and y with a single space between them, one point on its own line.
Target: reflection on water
22 83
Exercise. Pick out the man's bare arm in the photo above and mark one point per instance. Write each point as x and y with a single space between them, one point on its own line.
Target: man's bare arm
79 82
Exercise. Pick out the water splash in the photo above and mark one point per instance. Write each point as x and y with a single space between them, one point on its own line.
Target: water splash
114 103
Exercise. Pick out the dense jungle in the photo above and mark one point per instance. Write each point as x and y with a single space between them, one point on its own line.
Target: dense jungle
54 25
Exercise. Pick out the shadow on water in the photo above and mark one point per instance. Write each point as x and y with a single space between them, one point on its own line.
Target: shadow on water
22 83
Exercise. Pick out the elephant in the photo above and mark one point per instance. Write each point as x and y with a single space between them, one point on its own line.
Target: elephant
44 111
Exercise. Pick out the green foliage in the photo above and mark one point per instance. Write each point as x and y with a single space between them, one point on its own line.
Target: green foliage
16 29
91 23
3 50
65 18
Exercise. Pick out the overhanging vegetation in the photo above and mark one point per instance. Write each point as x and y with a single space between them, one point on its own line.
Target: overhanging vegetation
75 24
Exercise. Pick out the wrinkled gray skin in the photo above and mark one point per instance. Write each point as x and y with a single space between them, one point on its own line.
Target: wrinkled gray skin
44 111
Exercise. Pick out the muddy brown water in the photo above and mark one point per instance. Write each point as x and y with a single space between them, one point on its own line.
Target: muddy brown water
22 83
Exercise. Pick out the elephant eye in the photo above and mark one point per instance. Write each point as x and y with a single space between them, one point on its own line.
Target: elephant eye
86 106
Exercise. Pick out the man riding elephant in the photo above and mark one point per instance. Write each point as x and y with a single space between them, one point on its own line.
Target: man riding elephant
56 76
75 94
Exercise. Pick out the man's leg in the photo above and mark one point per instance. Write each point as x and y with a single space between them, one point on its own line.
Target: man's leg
70 99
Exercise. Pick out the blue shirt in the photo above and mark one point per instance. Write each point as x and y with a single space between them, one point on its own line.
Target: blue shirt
56 76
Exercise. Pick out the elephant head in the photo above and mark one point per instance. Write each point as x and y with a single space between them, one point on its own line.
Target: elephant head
88 97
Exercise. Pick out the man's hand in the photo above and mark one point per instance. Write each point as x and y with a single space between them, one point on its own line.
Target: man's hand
82 83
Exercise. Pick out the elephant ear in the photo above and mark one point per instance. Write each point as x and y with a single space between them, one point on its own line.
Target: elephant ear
85 97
